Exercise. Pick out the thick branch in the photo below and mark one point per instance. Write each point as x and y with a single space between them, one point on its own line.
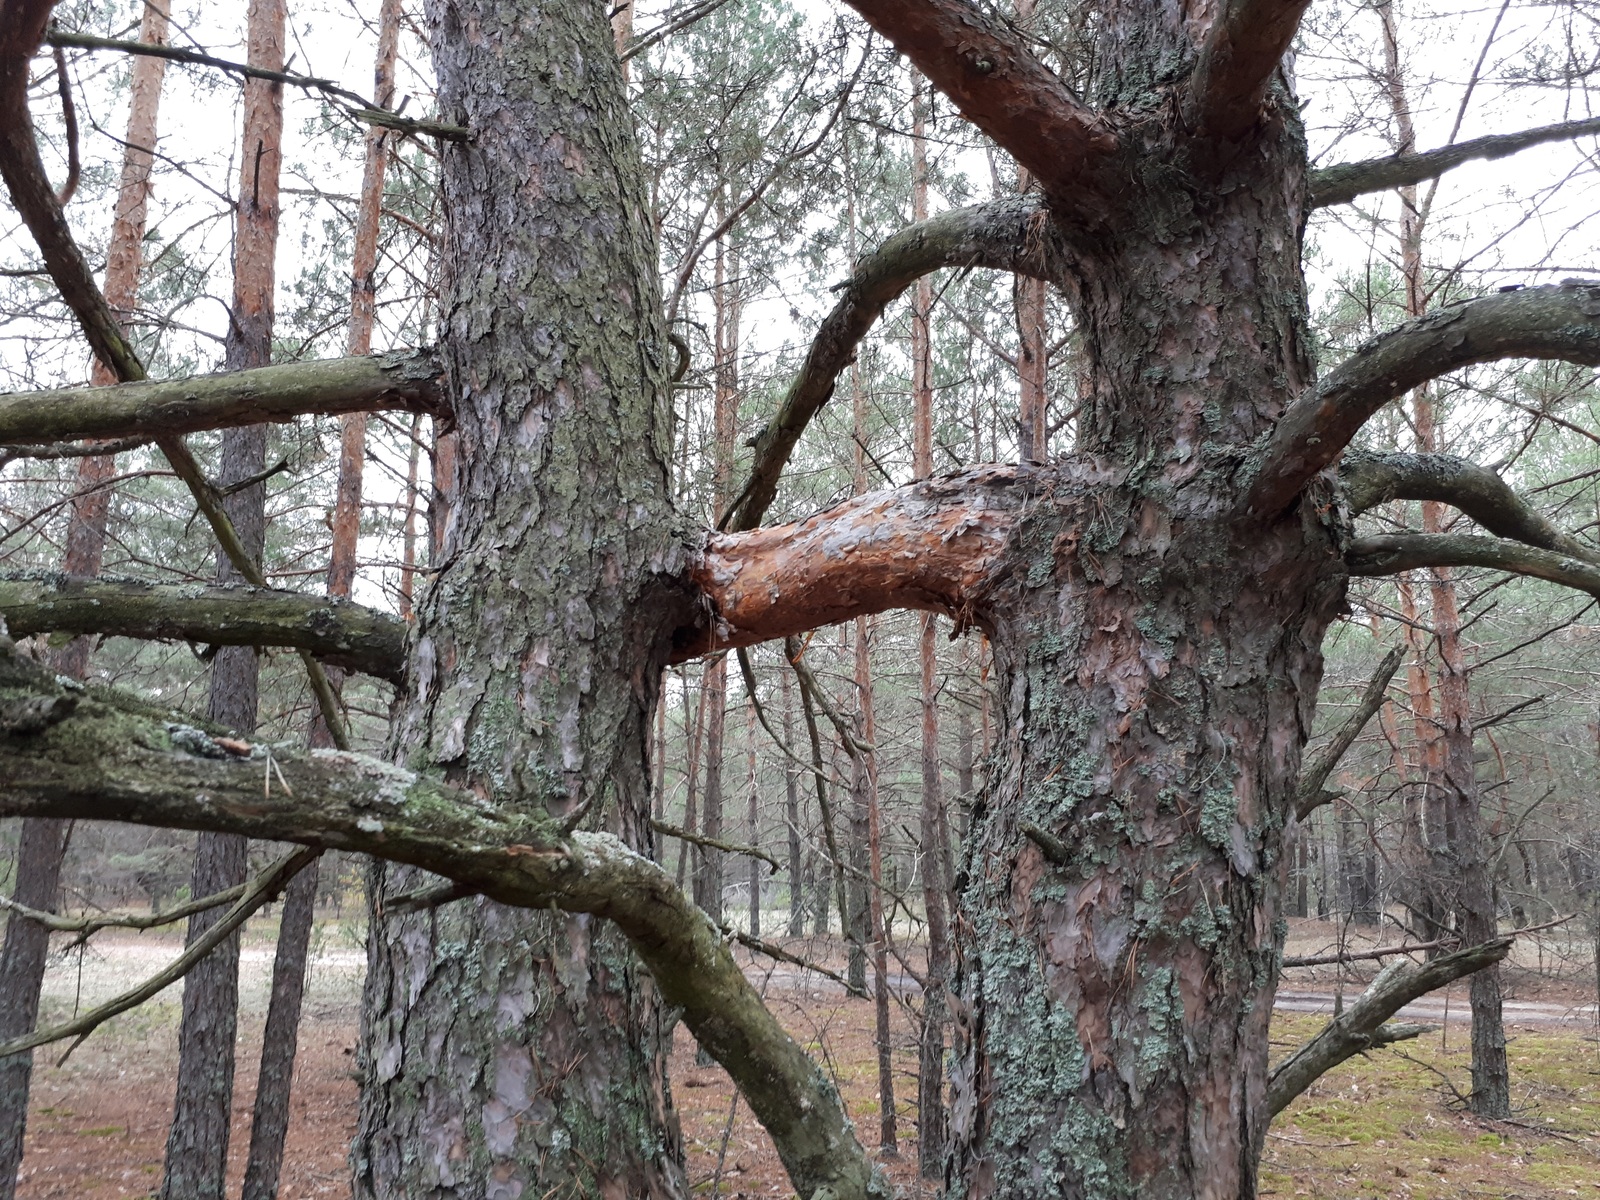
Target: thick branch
1310 795
1246 42
931 545
1343 183
347 635
1002 87
407 380
1360 1027
1390 554
1013 234
1556 322
1373 479
98 756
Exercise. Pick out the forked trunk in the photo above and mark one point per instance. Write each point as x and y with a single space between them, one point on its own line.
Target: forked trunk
1157 660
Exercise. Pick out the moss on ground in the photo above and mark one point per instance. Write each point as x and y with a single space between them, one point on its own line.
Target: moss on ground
1388 1125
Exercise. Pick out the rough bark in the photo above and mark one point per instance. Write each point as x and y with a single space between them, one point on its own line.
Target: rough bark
791 814
1237 61
343 634
538 647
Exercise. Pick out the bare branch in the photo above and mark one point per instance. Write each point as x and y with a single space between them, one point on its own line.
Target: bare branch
346 100
87 927
1343 183
1246 42
103 757
1013 234
683 835
1373 479
1557 322
1390 554
1361 1026
261 890
1002 87
404 380
1310 795
337 631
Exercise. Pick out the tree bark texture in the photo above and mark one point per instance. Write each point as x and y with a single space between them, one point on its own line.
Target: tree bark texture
1157 666
508 1052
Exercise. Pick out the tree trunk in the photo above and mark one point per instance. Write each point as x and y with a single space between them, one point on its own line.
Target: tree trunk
43 842
197 1145
40 851
930 1058
752 815
1157 665
791 813
280 1039
708 861
511 1052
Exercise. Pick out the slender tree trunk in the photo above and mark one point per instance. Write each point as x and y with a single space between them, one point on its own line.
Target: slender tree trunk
1459 852
197 1146
752 815
695 736
708 861
280 1040
408 547
791 813
42 843
40 851
509 1052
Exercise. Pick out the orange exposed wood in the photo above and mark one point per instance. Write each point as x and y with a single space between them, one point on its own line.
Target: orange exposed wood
929 546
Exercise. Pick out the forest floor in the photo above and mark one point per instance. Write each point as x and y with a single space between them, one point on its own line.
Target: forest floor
1384 1126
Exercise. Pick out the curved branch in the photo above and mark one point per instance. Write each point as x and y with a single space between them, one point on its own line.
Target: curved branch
1003 88
1361 1026
1373 479
406 380
931 545
99 756
1557 322
1390 554
1343 183
1246 42
337 631
1013 234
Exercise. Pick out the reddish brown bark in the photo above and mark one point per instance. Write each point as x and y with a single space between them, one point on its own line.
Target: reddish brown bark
930 546
1001 87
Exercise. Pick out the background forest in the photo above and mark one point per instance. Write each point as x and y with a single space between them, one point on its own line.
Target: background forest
814 795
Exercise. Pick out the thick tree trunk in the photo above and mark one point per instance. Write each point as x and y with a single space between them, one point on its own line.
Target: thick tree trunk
1158 662
197 1145
510 1052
